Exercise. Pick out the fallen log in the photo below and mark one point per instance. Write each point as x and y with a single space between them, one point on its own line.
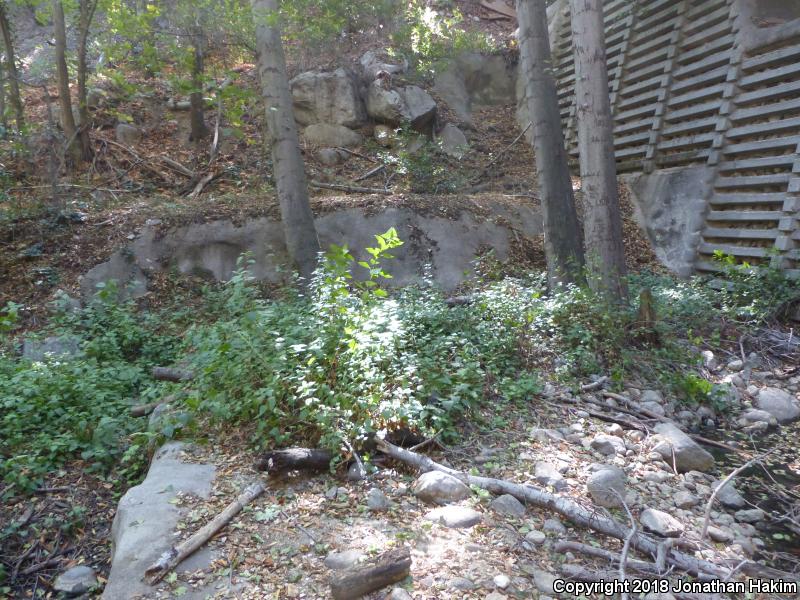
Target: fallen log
172 374
145 409
388 568
573 511
279 462
175 555
635 565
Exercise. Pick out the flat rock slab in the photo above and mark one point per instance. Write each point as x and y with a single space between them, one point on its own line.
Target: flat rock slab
455 517
145 522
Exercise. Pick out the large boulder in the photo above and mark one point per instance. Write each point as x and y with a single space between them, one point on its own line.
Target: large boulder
452 141
59 347
327 97
660 523
436 487
409 104
779 403
475 79
127 134
606 485
328 134
146 518
75 581
373 63
688 455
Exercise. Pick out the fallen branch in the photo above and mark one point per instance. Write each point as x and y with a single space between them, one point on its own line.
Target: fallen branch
370 173
388 568
357 154
175 555
172 374
198 189
566 507
639 566
278 462
725 481
576 573
144 409
178 167
595 385
626 547
348 188
459 301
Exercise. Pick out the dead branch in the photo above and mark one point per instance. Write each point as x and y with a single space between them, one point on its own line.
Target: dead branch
357 154
626 547
388 568
725 481
639 566
178 167
348 188
175 555
501 153
198 189
595 385
278 462
370 173
566 507
172 374
144 409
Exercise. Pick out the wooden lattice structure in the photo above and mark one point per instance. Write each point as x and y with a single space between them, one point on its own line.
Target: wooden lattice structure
713 83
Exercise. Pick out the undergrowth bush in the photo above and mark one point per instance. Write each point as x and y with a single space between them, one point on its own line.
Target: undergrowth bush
77 406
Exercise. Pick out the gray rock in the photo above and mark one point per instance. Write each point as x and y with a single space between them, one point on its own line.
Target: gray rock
395 106
719 534
689 456
608 445
544 581
752 515
501 581
436 487
652 396
555 526
327 97
455 517
546 435
331 134
95 98
779 403
127 134
377 500
475 79
735 365
709 360
684 499
535 537
656 476
75 581
547 473
121 268
607 485
654 407
660 523
330 156
399 594
342 560
755 415
496 596
145 518
356 471
461 583
729 496
452 141
57 347
372 63
508 505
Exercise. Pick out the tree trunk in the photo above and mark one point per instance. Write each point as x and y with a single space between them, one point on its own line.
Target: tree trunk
64 100
602 223
290 177
562 234
3 119
197 111
87 9
14 96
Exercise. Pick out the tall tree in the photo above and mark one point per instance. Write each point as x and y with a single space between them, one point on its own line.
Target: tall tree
11 73
290 177
602 222
196 100
86 10
562 233
62 76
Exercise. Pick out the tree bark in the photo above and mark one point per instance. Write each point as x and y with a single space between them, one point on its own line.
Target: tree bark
197 110
62 75
388 568
14 96
602 222
302 242
3 119
87 9
562 234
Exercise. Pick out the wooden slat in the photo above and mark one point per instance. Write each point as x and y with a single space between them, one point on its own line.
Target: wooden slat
722 29
770 76
753 181
693 112
787 90
765 110
769 59
708 63
696 95
734 250
731 199
706 78
723 233
768 128
767 162
690 126
771 144
693 140
743 215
